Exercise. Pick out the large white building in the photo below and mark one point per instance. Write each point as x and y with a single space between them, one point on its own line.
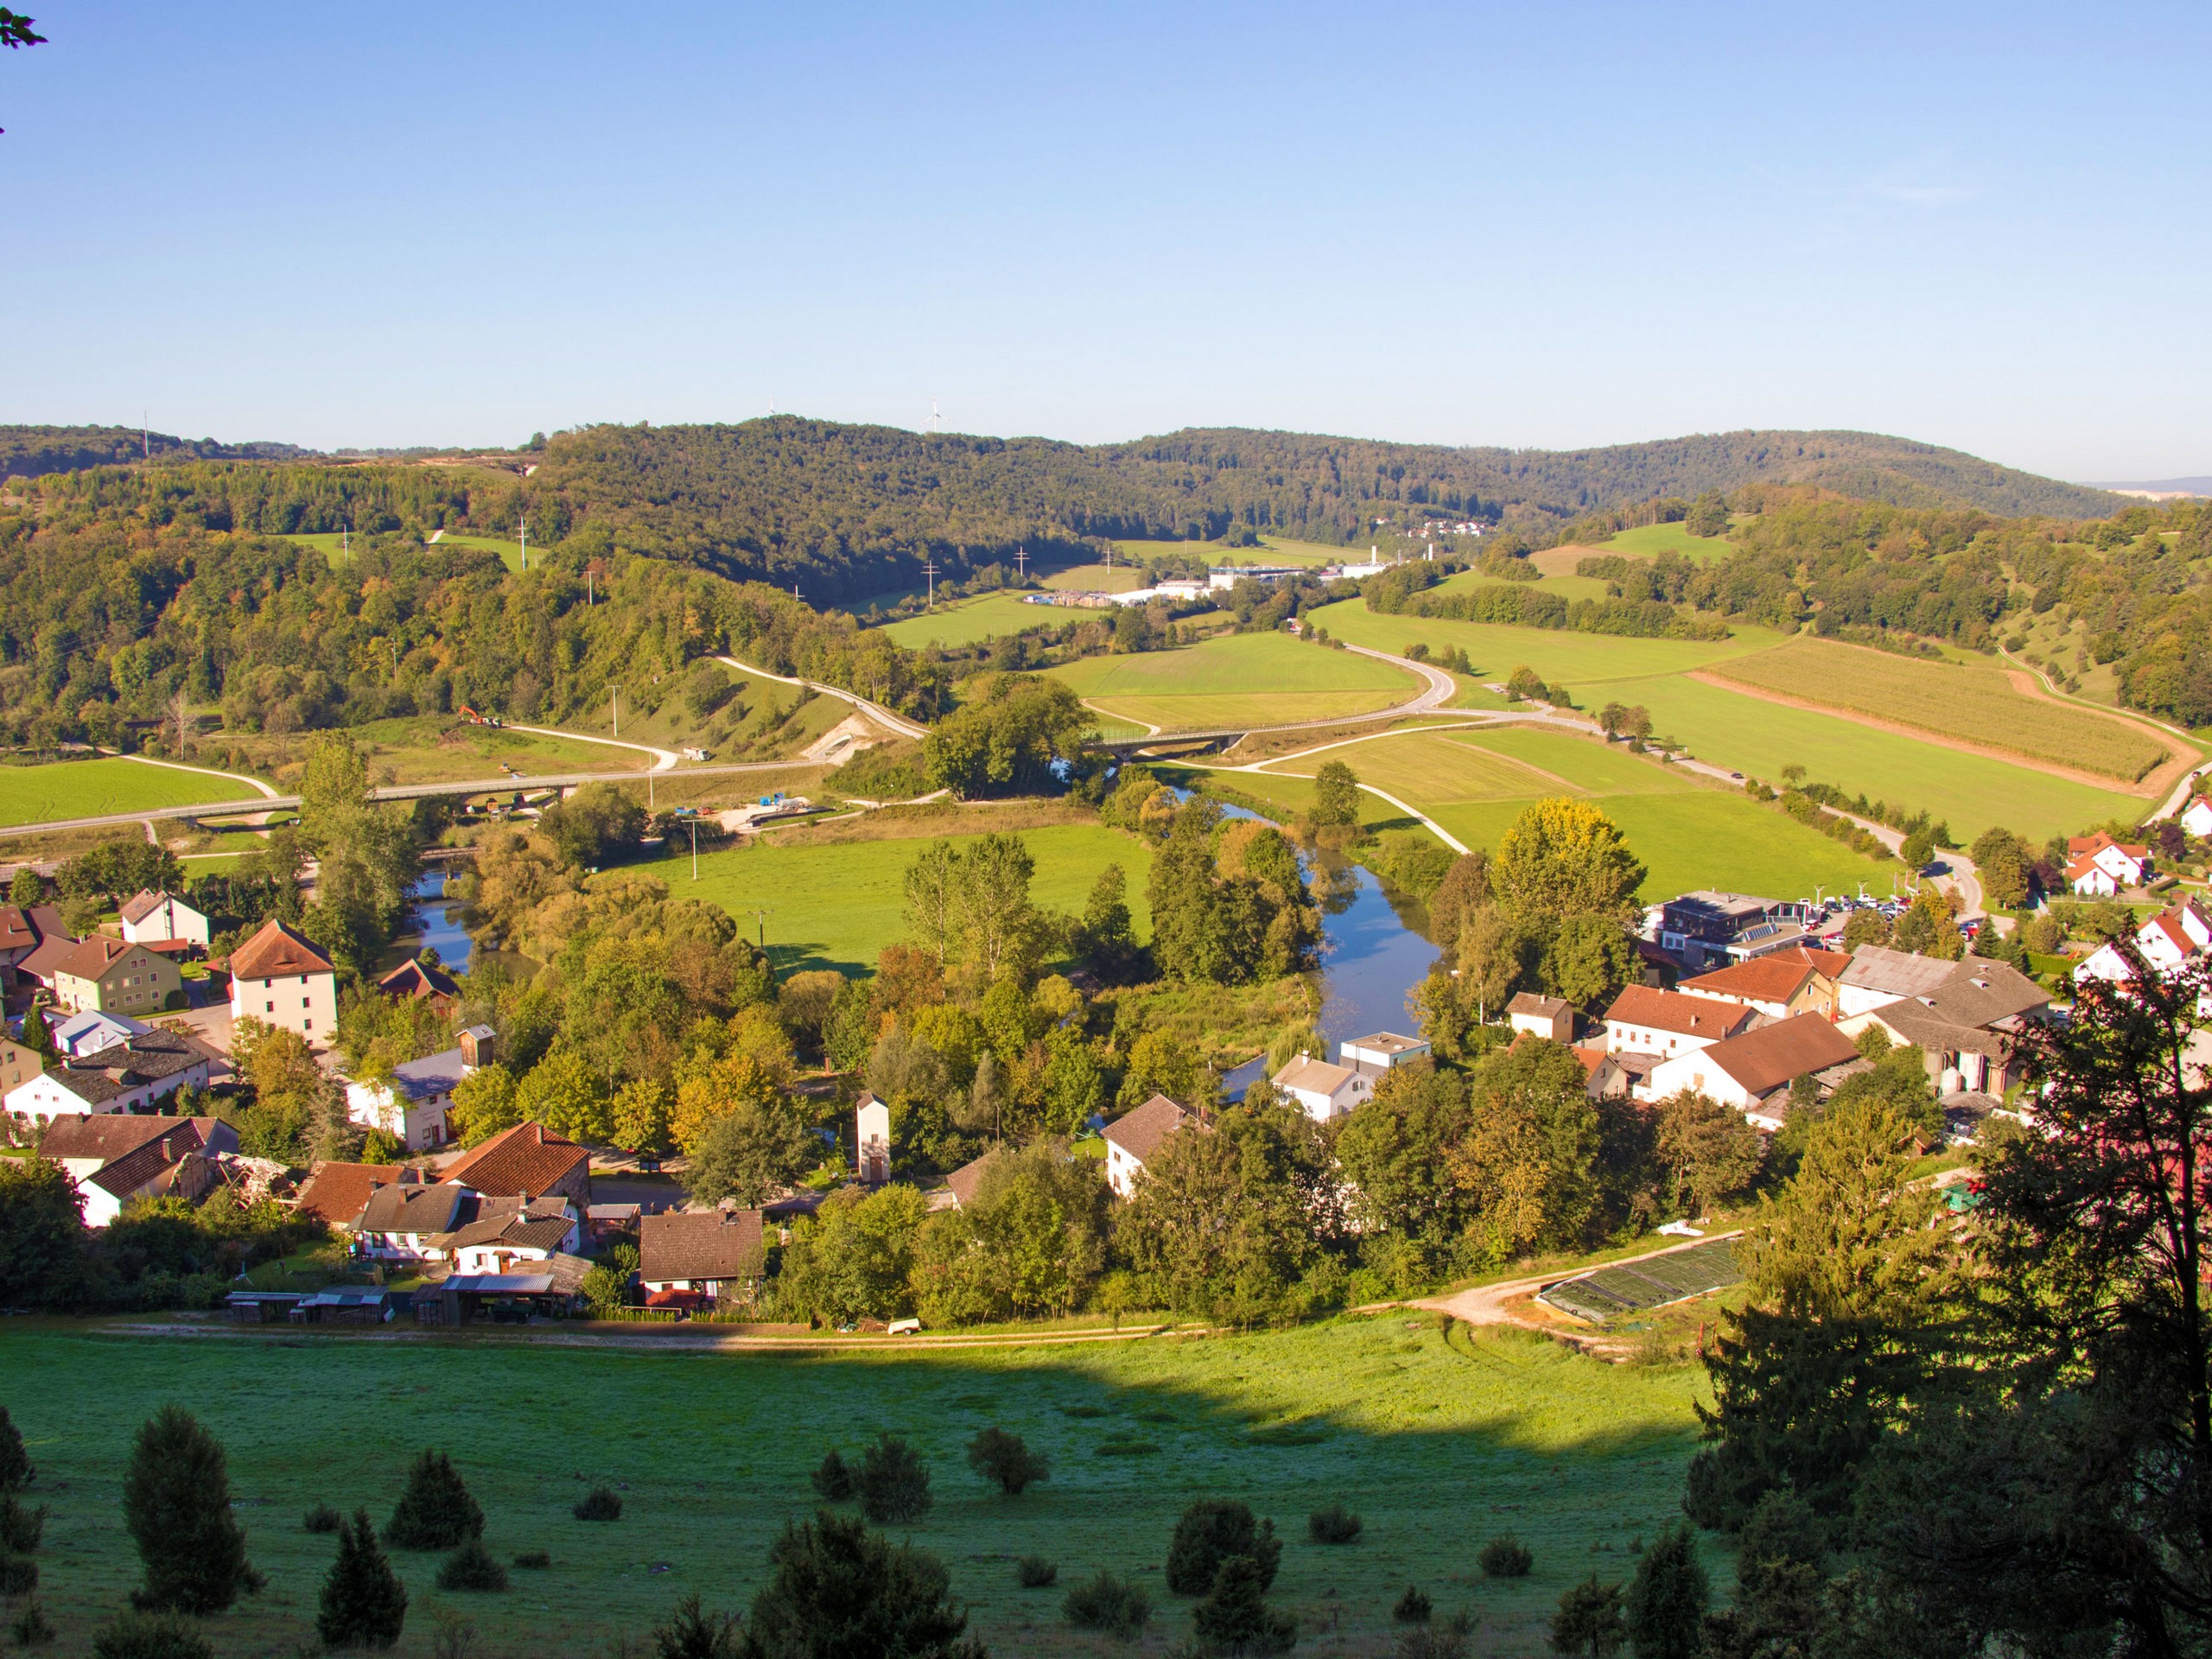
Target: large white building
281 979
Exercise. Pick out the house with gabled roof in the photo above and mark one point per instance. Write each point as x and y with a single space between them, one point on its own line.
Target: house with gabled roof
1963 1016
335 1193
111 976
504 1242
1549 1017
2100 866
1645 1021
418 981
132 1076
91 1031
1135 1137
116 1160
2181 934
407 1221
1878 974
1753 1070
526 1160
414 1103
2196 817
282 978
1796 980
718 1255
160 918
19 937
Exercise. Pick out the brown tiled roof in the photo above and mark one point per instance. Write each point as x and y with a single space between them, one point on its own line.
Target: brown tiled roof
16 932
1765 979
529 1158
1529 1003
54 949
965 1181
416 978
1591 1058
142 905
276 952
699 1245
1140 1133
412 1208
108 1135
1982 992
1765 1059
524 1232
140 1167
1671 1011
94 956
335 1193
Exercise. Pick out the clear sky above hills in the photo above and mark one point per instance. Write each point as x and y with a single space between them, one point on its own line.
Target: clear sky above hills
1983 226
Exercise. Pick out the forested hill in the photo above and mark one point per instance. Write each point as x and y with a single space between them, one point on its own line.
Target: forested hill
34 451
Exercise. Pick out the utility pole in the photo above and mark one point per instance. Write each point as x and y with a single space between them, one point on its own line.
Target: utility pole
695 849
930 570
522 530
1021 561
762 918
614 708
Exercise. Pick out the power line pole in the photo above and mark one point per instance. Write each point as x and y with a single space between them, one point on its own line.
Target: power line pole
614 708
522 529
930 570
1021 561
695 850
762 918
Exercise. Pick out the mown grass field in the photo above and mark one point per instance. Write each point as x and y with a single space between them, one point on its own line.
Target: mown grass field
836 904
1096 579
1748 734
1259 678
1648 541
1974 704
88 789
1438 1445
436 749
1689 834
965 621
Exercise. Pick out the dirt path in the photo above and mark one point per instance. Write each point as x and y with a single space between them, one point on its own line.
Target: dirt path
1492 1304
663 760
1942 741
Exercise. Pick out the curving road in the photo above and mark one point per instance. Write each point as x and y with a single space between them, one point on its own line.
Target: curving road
875 711
1440 688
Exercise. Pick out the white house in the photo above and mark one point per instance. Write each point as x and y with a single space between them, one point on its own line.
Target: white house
534 1233
86 1032
1381 1050
410 1220
1551 1018
130 1076
872 1139
1134 1137
281 979
114 1159
2100 867
1752 1072
2166 940
1645 1021
2196 817
413 1103
154 918
1327 1091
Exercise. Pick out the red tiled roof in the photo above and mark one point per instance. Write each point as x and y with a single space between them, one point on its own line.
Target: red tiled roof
529 1158
108 1135
1671 1011
416 978
1591 1058
335 1193
699 1244
1766 979
1765 1059
16 932
1140 1133
965 1181
94 956
276 952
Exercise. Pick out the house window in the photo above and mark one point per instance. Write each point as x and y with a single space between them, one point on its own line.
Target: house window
272 1008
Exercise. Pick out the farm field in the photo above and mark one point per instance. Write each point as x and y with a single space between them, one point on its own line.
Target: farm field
1437 1444
1974 704
1734 729
436 749
1648 541
836 904
1259 678
1096 579
1689 834
87 789
965 621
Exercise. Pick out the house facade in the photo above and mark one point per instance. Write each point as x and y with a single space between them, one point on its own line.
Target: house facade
2196 817
1326 1091
1785 982
2166 941
116 1160
2099 867
157 917
1664 1023
123 1078
1551 1018
415 1102
282 979
105 976
716 1255
1753 1072
1135 1137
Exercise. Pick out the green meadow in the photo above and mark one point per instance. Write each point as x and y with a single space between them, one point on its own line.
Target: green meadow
836 904
91 789
1648 541
964 621
1437 1440
1232 678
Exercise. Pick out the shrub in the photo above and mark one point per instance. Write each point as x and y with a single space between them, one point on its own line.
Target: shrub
833 1481
893 1482
1505 1557
15 1463
363 1603
600 1504
472 1567
31 1628
177 1501
692 1634
1665 1605
20 1526
1433 1640
1588 1620
1035 1572
18 1575
1211 1531
836 1587
1334 1525
322 1518
1106 1603
532 1560
1413 1607
436 1511
162 1635
1234 1617
1006 1461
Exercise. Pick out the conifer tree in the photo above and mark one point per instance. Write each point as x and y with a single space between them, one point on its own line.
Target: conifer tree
16 1471
177 1501
1235 1617
1666 1603
436 1511
363 1603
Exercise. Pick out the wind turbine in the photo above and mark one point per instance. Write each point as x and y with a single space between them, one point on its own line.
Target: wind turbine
937 421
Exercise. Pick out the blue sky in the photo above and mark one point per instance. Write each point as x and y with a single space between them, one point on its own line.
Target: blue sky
1551 226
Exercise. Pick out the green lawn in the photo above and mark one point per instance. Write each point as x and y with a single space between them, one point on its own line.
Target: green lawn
88 789
964 621
1648 541
434 748
1559 655
1273 550
1259 678
838 904
1437 1444
332 545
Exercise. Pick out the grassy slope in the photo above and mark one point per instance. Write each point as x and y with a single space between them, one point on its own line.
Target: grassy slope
87 789
1436 1447
1232 677
1734 730
1976 705
970 620
1687 836
838 904
1648 541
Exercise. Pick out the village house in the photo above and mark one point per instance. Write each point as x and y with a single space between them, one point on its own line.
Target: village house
1962 1015
18 1064
335 1193
1608 1076
1326 1091
528 1160
711 1255
2175 935
960 1187
117 1159
281 979
130 1076
418 981
414 1101
90 1032
1133 1138
1663 1023
517 1239
1878 976
109 976
1551 1018
2100 866
160 918
1753 1071
871 1140
1382 1050
2196 817
409 1221
1794 980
